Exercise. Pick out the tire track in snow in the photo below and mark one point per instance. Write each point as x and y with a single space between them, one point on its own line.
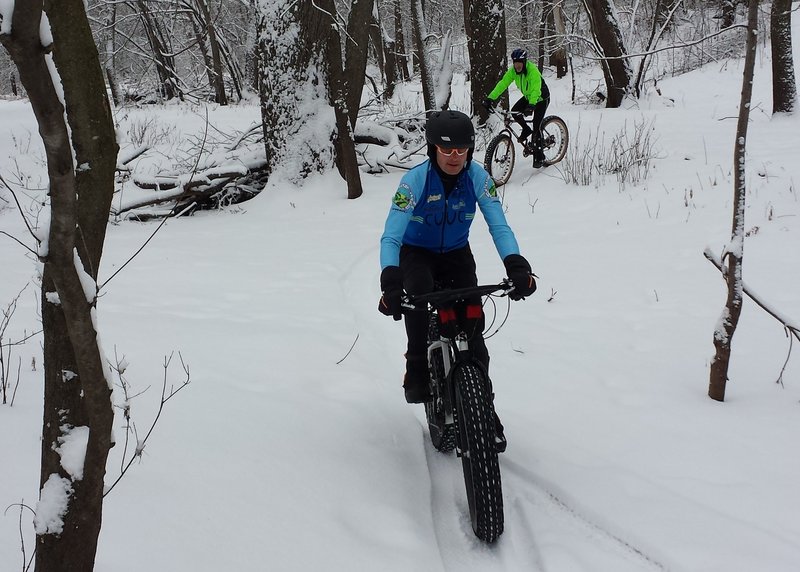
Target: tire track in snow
543 532
543 512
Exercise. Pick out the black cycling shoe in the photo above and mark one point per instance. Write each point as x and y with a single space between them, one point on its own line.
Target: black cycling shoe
418 393
416 382
500 442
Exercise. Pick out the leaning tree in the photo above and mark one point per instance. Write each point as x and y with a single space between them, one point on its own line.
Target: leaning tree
81 151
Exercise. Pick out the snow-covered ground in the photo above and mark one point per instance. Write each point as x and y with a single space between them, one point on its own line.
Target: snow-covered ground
281 455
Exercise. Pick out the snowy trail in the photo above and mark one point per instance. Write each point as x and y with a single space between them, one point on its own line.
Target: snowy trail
535 514
543 532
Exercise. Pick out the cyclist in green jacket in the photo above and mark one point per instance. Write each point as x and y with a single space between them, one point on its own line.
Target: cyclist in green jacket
535 99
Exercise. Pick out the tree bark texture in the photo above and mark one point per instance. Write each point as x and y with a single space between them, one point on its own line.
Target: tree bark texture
608 42
487 49
77 393
784 88
733 257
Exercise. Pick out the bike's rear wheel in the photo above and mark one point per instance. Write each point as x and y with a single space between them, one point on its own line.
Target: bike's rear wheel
555 138
499 159
475 420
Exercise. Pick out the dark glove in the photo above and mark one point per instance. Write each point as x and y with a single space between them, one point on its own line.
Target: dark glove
392 290
529 109
519 272
489 104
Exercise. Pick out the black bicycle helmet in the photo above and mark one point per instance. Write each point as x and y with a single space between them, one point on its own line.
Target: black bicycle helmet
519 55
449 128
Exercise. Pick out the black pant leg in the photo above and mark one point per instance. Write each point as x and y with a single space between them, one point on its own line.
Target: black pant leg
458 270
518 115
417 266
538 115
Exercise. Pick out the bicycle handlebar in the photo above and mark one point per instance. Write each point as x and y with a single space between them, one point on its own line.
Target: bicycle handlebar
438 297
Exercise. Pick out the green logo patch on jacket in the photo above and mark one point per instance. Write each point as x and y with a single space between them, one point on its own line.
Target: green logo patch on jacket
402 198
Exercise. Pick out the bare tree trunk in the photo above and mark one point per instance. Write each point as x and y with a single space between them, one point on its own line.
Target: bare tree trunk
400 43
525 8
420 48
487 49
608 42
111 49
346 160
165 62
784 89
390 56
376 40
544 33
77 394
218 83
113 87
355 54
723 334
559 56
664 9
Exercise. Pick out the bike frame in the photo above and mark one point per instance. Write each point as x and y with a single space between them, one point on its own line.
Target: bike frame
509 122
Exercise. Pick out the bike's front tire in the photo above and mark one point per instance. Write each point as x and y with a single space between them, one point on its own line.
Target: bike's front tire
499 159
475 421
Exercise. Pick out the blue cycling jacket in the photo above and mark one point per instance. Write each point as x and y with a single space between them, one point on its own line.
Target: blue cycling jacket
422 215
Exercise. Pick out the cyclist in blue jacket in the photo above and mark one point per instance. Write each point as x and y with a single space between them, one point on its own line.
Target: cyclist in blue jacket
425 240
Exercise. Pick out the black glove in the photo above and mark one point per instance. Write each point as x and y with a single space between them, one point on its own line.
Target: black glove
392 290
519 272
489 104
529 109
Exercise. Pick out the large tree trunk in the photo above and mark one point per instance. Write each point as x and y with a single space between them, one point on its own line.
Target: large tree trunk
784 89
295 40
726 327
487 49
608 42
77 394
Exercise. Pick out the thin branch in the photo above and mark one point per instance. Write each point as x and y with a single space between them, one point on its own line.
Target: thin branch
140 444
789 327
19 206
348 351
25 246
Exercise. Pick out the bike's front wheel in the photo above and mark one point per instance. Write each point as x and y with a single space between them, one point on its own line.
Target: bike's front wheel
475 421
555 138
499 159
